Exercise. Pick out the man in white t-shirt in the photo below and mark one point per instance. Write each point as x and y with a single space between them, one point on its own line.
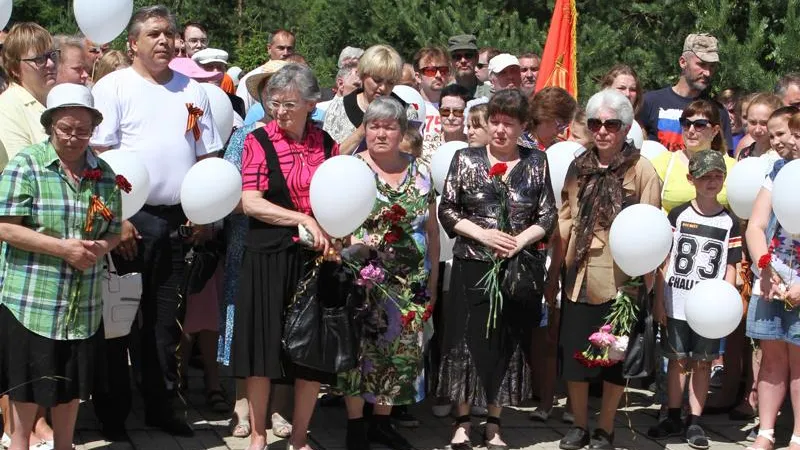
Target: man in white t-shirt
280 46
146 109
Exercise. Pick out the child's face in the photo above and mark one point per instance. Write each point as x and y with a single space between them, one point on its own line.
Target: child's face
477 136
709 185
780 136
407 147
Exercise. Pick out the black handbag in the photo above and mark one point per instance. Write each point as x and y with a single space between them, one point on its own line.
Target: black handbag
640 356
524 277
323 324
201 263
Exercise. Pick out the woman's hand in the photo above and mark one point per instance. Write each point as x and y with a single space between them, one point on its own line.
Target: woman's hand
520 244
321 241
77 254
501 242
793 295
128 246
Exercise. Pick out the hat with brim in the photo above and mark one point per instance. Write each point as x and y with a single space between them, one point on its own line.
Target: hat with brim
69 95
255 82
188 67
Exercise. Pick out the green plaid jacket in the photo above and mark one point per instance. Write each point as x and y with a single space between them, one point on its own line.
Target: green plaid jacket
37 287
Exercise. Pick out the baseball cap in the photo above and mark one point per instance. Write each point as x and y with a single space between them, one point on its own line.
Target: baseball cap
501 62
706 161
462 42
703 45
210 55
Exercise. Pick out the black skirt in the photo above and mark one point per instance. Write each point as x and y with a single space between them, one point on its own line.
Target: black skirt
475 368
578 322
47 372
267 284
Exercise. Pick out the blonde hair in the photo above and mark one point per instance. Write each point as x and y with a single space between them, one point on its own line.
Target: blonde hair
112 61
22 38
381 61
767 99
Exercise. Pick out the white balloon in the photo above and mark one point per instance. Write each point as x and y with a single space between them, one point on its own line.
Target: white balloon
103 20
559 157
636 135
445 243
440 162
640 239
413 98
129 164
785 198
651 149
221 110
210 190
713 309
743 182
5 12
342 194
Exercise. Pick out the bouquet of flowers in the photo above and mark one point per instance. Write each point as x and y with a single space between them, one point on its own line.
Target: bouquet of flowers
783 271
492 279
608 345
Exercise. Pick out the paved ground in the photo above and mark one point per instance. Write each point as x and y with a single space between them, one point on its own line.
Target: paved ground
328 428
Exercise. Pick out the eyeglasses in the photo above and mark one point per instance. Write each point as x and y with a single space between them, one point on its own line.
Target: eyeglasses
699 124
464 55
457 112
481 66
41 60
430 71
611 125
194 41
287 106
69 134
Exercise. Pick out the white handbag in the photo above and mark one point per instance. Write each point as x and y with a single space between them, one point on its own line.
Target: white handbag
121 296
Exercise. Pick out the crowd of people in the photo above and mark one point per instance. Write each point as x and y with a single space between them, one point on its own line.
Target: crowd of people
434 329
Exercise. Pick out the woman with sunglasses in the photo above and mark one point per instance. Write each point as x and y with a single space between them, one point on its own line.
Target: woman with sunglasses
453 103
484 352
700 124
32 66
603 180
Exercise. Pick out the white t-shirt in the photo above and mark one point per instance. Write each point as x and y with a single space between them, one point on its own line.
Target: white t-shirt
241 90
432 137
151 119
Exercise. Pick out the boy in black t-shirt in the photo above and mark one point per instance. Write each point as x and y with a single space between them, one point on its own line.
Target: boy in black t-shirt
707 245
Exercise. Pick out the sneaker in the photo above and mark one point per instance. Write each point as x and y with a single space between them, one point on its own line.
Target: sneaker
568 417
575 439
665 429
402 418
716 376
478 411
601 440
696 437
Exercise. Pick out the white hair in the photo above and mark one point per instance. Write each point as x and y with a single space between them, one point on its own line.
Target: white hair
613 100
349 53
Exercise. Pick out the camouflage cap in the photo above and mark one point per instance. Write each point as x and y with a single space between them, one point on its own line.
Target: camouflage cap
706 161
462 42
703 45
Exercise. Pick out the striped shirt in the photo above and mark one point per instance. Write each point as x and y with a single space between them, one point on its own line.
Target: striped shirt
37 287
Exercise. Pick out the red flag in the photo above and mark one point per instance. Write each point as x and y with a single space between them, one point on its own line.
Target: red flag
559 66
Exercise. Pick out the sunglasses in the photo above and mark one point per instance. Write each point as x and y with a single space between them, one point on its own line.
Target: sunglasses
430 71
611 125
699 124
457 112
464 55
41 60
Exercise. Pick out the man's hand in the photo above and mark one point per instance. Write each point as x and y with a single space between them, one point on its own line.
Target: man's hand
76 254
128 246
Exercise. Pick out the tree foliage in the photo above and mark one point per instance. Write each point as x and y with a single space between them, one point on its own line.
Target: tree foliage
757 37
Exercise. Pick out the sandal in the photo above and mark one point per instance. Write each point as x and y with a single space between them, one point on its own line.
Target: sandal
768 435
489 445
238 428
466 445
216 400
281 428
795 440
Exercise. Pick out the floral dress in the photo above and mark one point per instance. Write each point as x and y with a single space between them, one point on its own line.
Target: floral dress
391 367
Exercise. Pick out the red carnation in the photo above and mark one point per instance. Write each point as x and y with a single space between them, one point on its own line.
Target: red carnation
122 183
92 174
498 170
398 211
428 313
764 261
393 235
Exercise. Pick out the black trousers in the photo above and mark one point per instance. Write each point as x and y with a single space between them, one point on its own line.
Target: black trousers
161 261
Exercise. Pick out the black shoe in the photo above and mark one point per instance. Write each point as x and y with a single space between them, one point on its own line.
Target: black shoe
665 429
402 418
115 434
696 437
171 425
356 438
383 432
575 439
601 440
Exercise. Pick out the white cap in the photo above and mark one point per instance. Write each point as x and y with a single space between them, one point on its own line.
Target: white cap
69 95
500 62
210 55
235 72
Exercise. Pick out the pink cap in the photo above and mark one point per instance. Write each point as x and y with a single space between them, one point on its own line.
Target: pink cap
191 69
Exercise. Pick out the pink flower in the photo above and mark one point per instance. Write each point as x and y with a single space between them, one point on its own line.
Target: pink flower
602 338
617 350
372 273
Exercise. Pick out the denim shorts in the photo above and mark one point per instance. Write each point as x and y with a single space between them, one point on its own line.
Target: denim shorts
770 321
683 343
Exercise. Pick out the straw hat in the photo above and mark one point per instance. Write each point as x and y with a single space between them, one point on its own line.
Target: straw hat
254 82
